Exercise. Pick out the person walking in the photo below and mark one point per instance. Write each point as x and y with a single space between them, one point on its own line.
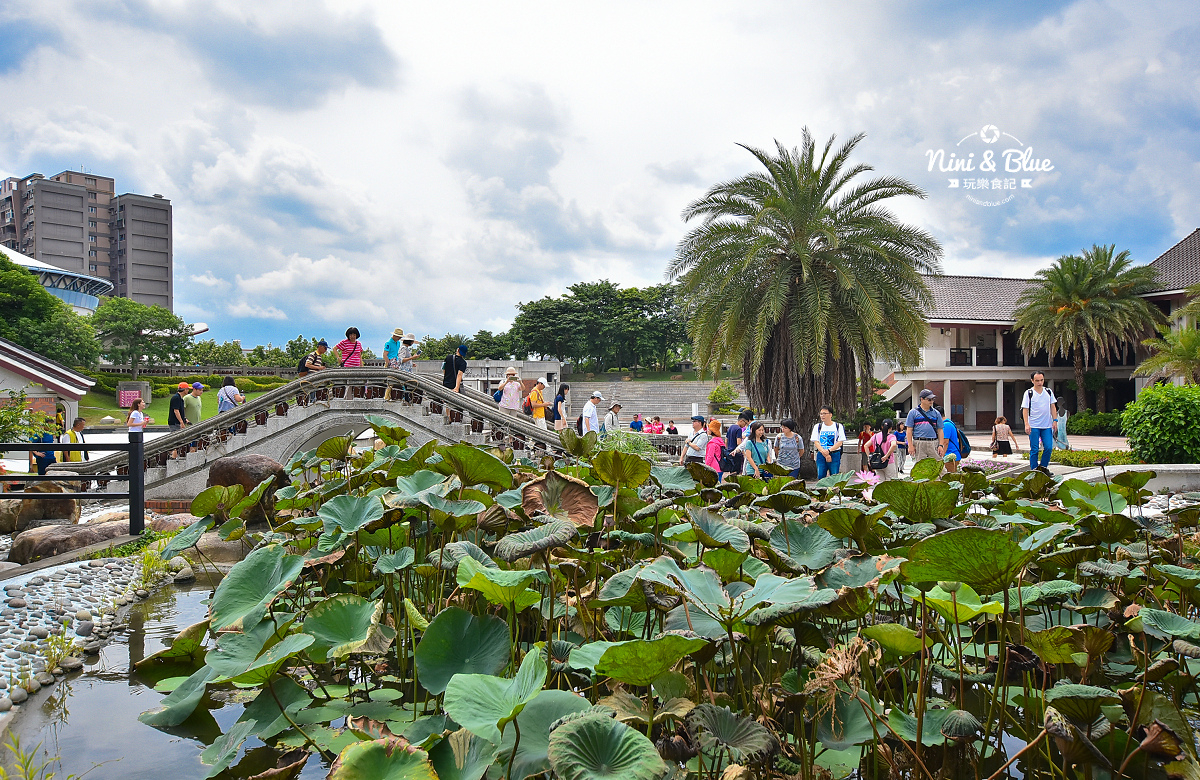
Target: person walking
693 448
924 434
510 392
74 435
453 369
1039 410
864 436
757 450
193 410
612 420
391 349
228 396
313 361
714 448
735 435
789 448
537 400
590 415
559 413
1001 435
177 412
952 453
901 448
884 442
137 419
827 440
350 349
42 459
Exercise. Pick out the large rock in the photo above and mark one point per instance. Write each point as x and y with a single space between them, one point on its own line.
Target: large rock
166 523
9 509
48 508
248 471
215 549
37 543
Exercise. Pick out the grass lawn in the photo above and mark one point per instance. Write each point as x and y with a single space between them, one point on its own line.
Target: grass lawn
95 406
644 375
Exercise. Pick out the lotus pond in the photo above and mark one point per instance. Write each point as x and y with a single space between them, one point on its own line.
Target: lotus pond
450 612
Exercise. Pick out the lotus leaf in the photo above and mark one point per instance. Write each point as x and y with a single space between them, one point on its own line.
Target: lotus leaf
803 596
253 656
744 739
1169 624
457 642
389 563
1105 568
220 754
587 656
245 593
525 543
594 747
853 720
917 502
499 586
485 704
804 546
265 709
784 501
474 466
1107 528
927 469
861 571
1080 703
186 644
414 489
177 705
986 559
959 607
462 756
640 661
349 514
579 446
386 431
1091 497
390 758
1054 645
217 500
1177 575
335 447
1067 557
897 639
534 721
931 727
186 538
561 496
347 624
702 474
673 478
712 531
454 553
621 468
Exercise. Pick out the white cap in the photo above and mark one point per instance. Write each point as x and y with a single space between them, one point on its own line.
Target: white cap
541 381
596 394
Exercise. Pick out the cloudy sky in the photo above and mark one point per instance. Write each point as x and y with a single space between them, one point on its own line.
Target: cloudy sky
430 165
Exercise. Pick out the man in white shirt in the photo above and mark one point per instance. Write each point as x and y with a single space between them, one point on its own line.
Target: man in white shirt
1039 408
827 440
591 418
693 448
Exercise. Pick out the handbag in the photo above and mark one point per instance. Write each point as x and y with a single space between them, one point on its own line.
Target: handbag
496 396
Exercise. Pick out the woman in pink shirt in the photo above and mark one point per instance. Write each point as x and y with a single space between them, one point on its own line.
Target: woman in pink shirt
350 349
712 451
654 426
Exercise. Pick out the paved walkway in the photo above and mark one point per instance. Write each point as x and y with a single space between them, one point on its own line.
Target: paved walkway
981 441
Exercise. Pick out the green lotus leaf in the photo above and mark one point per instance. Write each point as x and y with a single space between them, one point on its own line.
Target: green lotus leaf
703 475
387 431
177 705
255 497
596 747
335 447
1106 569
220 754
579 446
389 563
622 590
534 721
474 466
895 638
621 468
725 562
744 739
623 620
1080 703
971 481
1054 645
1093 600
958 607
931 729
858 571
1133 480
1109 528
713 531
673 478
987 560
454 508
927 469
525 543
853 720
458 642
1170 624
265 709
412 489
802 596
253 656
187 644
587 656
186 538
917 502
499 586
390 758
1068 557
450 555
1043 536
347 624
1091 497
640 661
252 585
349 513
485 704
804 546
1049 591
561 496
217 500
784 501
1176 575
411 460
462 756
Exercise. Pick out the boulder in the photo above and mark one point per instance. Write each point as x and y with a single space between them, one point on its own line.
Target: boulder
46 508
248 471
9 509
217 550
167 523
111 517
45 541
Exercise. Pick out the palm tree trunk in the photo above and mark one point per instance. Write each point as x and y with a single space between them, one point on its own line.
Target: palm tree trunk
1080 390
1102 390
780 388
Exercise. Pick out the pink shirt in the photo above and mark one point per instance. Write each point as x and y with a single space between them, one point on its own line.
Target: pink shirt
351 352
712 453
511 398
876 444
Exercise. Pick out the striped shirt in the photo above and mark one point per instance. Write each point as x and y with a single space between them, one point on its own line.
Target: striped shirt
351 352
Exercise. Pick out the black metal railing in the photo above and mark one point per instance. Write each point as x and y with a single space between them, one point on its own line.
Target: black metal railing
960 356
986 356
1014 357
136 478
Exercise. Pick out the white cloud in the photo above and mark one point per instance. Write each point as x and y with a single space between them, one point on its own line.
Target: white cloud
244 309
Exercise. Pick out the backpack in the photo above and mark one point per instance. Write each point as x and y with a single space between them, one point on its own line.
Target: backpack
300 367
964 446
726 460
527 407
579 425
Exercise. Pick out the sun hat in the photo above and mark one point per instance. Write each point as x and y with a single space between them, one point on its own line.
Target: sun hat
398 333
927 393
596 394
184 386
410 337
615 405
714 427
510 370
197 386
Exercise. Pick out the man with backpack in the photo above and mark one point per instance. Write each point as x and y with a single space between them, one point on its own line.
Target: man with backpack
953 443
313 361
1039 408
924 429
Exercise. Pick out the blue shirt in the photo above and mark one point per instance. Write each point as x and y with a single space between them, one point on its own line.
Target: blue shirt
950 431
921 428
391 350
636 425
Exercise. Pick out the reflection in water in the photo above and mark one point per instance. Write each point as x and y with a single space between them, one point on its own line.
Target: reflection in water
91 719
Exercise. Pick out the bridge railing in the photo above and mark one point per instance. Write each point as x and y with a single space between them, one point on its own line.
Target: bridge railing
387 386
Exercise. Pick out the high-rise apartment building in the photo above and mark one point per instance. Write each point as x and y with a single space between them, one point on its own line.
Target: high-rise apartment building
75 221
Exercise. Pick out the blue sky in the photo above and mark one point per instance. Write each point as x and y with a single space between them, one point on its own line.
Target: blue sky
428 166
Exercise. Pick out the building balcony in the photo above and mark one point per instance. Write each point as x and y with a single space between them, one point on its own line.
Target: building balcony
960 356
1014 357
986 356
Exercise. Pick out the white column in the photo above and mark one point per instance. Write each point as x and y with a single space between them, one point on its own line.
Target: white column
999 397
915 392
999 348
946 404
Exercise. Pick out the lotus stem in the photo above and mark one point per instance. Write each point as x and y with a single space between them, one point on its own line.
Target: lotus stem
1018 754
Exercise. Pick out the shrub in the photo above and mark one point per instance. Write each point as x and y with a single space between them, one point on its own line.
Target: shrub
1085 458
1163 424
1086 423
722 394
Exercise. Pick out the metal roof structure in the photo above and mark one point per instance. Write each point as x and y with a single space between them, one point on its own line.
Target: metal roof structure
77 289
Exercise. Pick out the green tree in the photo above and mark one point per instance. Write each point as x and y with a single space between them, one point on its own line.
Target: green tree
132 332
438 349
210 353
36 319
800 273
299 347
20 423
270 355
1087 304
1176 352
486 346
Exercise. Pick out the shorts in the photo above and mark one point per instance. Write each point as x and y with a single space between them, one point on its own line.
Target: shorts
540 422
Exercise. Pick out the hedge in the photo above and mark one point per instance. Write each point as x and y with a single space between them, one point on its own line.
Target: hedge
1087 423
1163 424
1085 458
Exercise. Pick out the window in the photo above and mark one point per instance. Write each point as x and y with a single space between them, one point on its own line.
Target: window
91 223
91 209
91 196
92 253
92 239
90 181
121 207
122 236
92 267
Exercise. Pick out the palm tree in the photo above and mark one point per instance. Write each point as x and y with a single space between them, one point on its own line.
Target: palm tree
1176 353
802 274
1085 304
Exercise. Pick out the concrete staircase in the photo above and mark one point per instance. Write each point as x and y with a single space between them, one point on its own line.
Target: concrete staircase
668 400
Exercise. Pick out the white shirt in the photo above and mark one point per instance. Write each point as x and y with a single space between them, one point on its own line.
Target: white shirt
1038 405
136 421
827 435
611 423
591 420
